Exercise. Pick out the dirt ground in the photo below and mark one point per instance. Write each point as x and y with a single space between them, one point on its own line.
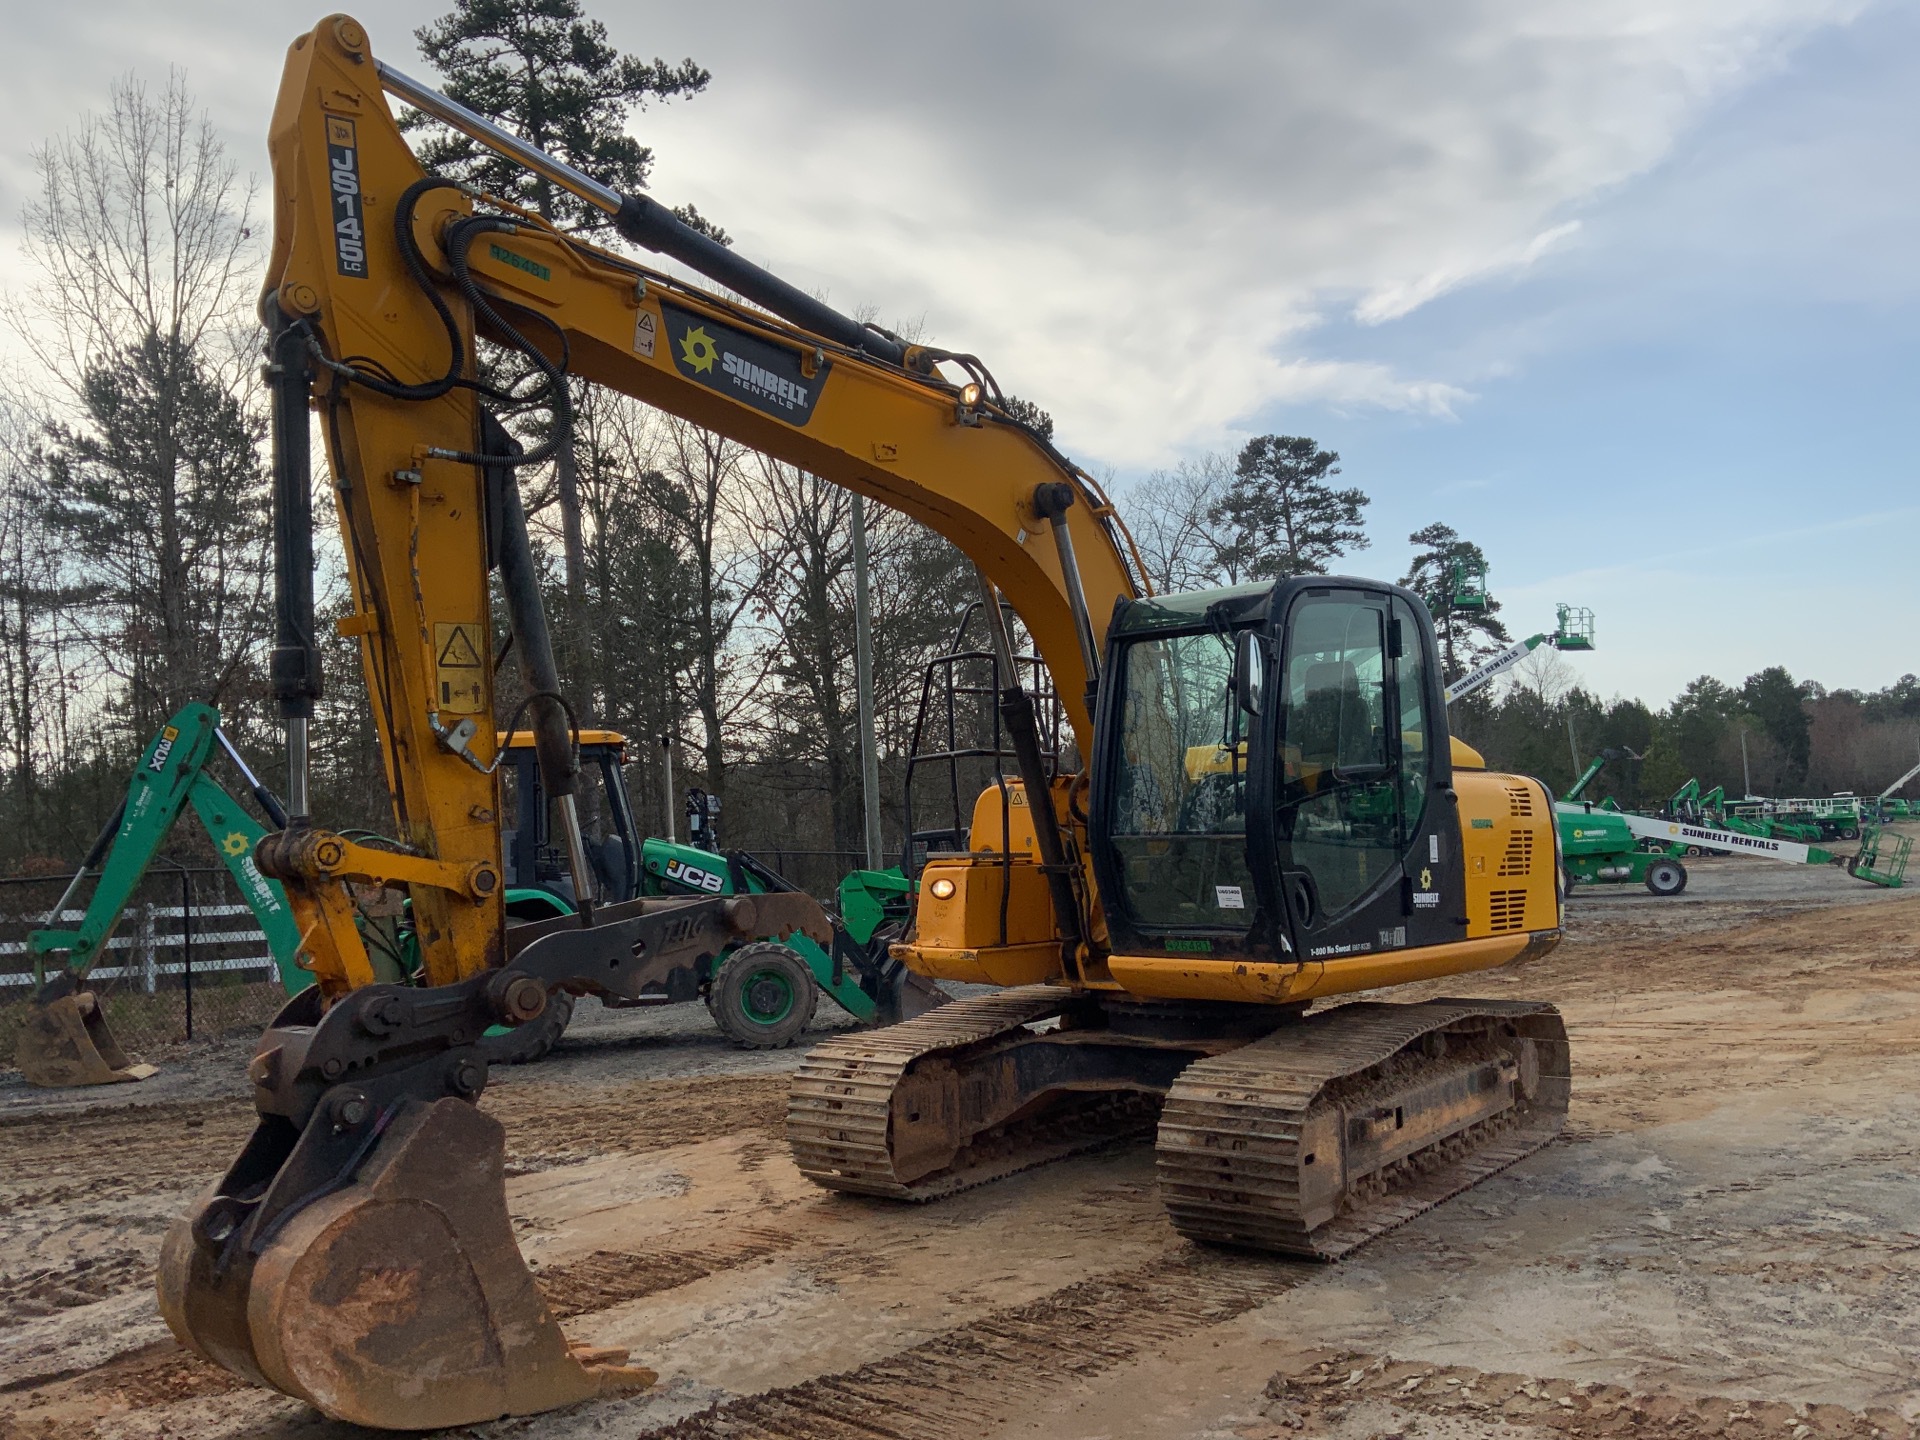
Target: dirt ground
1726 1242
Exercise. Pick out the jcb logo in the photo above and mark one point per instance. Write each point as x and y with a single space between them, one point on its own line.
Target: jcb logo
165 748
693 877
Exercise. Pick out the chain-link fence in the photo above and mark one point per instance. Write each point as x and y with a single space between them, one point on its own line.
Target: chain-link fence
186 962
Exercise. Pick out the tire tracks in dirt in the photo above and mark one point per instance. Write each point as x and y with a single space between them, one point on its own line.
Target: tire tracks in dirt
1380 1395
613 1277
80 1281
1006 1362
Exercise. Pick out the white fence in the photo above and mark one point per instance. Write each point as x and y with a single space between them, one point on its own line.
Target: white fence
143 936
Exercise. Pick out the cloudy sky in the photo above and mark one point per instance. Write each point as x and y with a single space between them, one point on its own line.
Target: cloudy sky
1623 289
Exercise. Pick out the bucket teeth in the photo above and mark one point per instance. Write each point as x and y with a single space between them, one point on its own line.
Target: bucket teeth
399 1300
67 1042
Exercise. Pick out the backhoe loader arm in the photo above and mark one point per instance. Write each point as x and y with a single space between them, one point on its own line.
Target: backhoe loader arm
65 1039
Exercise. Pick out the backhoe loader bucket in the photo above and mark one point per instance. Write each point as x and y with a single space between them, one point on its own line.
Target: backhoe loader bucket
399 1300
904 995
65 1040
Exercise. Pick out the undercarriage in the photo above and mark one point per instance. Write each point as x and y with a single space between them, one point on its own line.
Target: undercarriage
1304 1134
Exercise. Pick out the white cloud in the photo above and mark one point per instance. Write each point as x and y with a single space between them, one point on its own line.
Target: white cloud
1137 213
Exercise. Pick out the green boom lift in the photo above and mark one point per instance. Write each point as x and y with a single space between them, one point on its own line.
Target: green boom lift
65 1039
1598 845
1573 630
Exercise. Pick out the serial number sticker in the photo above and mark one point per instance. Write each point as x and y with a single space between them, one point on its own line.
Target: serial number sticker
349 214
1228 897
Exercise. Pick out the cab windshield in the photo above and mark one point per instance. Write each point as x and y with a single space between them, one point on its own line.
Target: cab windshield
1178 821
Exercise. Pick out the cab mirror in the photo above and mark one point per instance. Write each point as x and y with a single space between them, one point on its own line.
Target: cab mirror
1249 670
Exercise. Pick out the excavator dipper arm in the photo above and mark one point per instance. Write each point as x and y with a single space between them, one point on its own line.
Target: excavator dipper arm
371 1196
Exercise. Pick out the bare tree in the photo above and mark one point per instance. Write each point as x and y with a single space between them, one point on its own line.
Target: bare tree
1544 675
141 228
703 478
1169 512
141 244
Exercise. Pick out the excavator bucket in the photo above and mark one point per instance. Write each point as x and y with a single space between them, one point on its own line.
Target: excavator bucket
397 1301
65 1041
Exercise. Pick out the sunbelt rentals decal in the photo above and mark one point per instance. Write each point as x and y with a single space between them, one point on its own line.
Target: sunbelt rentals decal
761 374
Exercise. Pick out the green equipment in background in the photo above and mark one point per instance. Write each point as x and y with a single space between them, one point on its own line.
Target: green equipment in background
761 994
65 1039
1598 845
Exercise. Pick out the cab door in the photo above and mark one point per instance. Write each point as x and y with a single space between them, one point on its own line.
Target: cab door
1358 806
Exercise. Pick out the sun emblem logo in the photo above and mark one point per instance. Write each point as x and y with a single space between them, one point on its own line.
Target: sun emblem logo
698 350
1426 879
235 843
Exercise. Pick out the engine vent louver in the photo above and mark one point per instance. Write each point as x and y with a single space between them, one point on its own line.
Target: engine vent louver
1518 861
1519 800
1509 909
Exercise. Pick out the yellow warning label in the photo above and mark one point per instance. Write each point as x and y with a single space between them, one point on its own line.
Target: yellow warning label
460 669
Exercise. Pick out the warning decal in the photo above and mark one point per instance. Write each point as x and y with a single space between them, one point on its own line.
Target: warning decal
460 669
644 333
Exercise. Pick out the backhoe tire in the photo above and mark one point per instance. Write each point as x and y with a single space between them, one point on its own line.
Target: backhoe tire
534 1040
763 997
1666 877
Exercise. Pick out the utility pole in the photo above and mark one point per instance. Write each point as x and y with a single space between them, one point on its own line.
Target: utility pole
863 684
1573 746
1746 771
666 750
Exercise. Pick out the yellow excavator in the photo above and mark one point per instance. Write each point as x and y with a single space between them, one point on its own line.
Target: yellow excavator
1266 811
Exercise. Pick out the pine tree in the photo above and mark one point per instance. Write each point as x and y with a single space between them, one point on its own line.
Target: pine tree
158 497
546 72
1466 636
1281 516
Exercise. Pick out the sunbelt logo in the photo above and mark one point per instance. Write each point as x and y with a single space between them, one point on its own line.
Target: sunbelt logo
769 377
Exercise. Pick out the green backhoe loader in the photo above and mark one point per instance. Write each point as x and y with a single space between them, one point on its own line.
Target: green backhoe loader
65 1039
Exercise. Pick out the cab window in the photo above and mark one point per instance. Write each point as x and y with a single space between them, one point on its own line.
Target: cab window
1338 797
1416 725
1178 822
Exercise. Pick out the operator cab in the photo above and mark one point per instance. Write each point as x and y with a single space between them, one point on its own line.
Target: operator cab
535 858
1274 780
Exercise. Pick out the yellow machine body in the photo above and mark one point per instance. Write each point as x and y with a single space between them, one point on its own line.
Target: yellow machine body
377 290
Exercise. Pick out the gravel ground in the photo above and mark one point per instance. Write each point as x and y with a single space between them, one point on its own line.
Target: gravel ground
1725 1243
